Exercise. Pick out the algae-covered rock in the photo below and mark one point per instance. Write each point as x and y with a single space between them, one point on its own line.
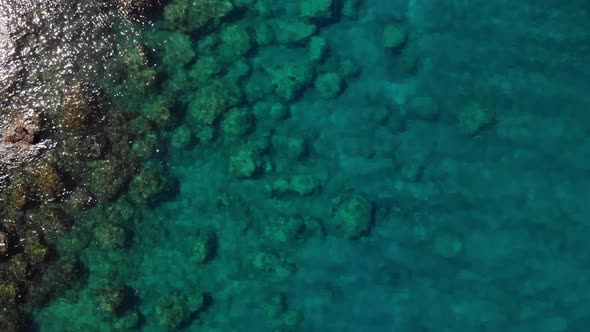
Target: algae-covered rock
178 52
18 267
316 8
107 179
204 246
3 243
296 148
258 86
110 299
179 84
181 137
291 31
270 262
10 319
173 310
288 81
35 249
394 36
110 236
135 68
263 260
56 279
474 116
211 101
127 322
192 15
47 182
265 8
235 42
279 111
8 293
52 284
144 147
245 162
329 85
347 68
207 45
317 48
237 122
206 68
139 5
264 34
52 219
352 214
78 200
16 196
284 229
148 183
77 109
206 134
158 112
238 71
304 184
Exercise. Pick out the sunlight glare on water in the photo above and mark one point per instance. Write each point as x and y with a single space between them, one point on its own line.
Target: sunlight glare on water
48 48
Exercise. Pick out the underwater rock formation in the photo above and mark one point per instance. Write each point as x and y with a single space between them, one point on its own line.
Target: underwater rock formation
3 243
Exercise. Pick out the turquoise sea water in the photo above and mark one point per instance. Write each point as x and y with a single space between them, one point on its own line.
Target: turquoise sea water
348 165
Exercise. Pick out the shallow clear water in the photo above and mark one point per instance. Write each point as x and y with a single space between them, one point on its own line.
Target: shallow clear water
424 170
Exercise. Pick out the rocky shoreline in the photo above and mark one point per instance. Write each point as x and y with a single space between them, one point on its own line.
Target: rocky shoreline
64 146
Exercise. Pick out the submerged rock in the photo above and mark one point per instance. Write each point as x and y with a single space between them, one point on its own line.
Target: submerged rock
110 299
173 310
316 8
292 31
137 7
192 15
474 116
237 122
204 246
245 162
394 36
8 293
329 85
353 215
3 243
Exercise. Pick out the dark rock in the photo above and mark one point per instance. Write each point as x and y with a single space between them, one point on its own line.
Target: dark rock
136 8
3 243
22 133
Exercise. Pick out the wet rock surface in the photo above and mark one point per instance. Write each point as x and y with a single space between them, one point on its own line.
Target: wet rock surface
58 126
3 243
22 133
